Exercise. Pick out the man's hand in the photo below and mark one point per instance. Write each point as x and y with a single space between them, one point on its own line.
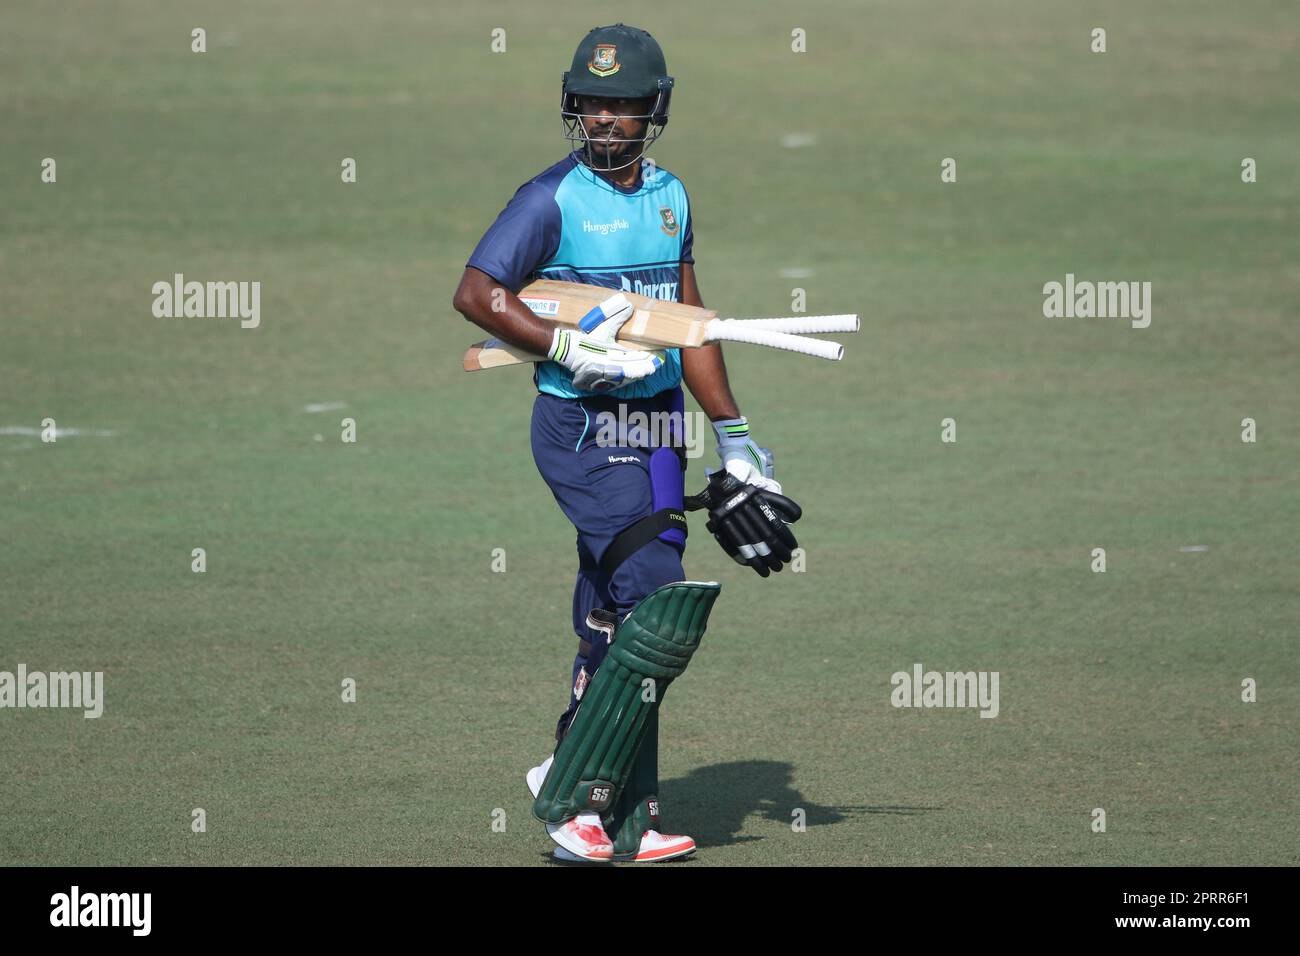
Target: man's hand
751 524
598 363
741 457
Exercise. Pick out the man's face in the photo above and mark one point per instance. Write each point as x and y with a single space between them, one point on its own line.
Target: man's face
606 118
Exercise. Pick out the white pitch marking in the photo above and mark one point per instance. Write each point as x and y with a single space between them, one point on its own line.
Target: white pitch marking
796 272
798 140
1195 547
324 406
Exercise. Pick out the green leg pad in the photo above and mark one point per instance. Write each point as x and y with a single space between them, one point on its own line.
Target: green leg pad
638 805
653 643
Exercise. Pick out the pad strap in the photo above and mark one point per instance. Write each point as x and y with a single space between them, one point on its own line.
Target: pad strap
639 534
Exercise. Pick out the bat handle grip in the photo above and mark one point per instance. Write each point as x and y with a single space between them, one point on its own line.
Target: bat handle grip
734 330
807 324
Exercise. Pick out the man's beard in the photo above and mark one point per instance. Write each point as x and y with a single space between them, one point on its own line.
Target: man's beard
614 154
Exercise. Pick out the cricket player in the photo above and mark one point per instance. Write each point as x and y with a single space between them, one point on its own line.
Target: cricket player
606 216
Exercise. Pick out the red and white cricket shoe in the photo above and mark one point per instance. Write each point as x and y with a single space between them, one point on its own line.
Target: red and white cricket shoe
583 838
655 847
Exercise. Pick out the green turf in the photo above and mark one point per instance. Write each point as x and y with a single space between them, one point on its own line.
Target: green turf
372 560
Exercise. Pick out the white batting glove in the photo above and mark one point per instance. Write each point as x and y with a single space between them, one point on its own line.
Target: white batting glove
741 457
598 363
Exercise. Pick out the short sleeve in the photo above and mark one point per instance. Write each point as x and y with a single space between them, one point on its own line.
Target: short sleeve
688 238
524 236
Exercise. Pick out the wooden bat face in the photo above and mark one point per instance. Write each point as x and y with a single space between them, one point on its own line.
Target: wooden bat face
653 322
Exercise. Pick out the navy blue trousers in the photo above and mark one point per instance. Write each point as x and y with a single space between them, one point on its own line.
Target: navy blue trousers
602 489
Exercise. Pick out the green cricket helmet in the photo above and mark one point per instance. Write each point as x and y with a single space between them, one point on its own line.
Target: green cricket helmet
617 61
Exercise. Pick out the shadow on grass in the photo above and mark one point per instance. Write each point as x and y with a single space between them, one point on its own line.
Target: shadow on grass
712 803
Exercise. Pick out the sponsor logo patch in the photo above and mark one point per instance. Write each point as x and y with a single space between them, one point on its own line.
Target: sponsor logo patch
543 307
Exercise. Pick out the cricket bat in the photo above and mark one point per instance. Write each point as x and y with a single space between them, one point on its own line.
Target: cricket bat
658 323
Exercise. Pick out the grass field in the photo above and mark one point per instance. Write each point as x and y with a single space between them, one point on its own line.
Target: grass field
371 560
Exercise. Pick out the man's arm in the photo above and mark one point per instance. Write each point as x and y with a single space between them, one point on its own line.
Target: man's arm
498 311
703 369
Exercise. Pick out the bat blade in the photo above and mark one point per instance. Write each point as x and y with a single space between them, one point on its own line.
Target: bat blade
493 353
655 322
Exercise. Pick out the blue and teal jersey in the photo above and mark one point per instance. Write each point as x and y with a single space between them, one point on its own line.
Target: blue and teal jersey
568 223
